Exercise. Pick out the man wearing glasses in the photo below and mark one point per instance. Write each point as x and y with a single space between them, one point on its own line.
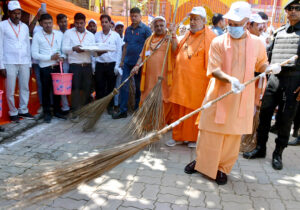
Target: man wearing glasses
282 89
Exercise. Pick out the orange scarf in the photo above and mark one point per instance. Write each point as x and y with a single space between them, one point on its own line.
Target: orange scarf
169 63
226 67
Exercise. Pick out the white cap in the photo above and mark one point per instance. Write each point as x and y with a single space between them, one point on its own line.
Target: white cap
93 21
256 18
119 23
13 5
158 18
198 11
238 11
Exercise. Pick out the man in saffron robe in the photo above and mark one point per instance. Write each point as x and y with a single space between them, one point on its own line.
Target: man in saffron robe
151 70
190 80
233 58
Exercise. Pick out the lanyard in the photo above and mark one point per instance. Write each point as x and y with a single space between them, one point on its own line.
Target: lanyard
51 45
103 41
17 34
81 40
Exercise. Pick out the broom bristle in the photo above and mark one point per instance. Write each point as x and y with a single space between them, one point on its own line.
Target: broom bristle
150 116
31 189
91 113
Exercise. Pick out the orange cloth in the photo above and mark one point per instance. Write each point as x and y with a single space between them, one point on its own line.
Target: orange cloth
187 130
234 123
216 152
152 72
189 76
151 43
190 81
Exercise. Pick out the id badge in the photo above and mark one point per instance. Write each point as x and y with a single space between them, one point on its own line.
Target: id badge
147 53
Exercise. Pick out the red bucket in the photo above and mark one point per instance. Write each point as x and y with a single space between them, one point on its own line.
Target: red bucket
62 82
1 92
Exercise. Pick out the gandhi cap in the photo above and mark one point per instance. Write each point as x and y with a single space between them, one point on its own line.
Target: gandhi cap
119 23
13 5
198 11
158 18
92 21
256 18
238 11
291 2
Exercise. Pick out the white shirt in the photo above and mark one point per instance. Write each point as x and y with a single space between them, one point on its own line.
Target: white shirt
41 47
13 49
73 38
114 39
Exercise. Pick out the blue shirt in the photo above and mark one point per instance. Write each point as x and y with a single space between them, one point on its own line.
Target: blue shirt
217 30
135 39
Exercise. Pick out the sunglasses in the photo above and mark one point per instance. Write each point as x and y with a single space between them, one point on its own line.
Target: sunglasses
290 8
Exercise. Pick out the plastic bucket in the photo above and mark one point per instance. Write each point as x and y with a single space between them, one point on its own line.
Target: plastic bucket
1 93
62 82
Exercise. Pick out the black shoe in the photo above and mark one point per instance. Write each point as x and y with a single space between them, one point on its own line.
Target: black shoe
258 152
65 113
221 178
296 142
26 116
47 118
119 115
277 158
190 168
60 116
15 118
274 129
2 129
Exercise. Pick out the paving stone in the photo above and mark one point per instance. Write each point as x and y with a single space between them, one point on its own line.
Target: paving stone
212 200
172 191
147 179
140 203
236 206
292 204
127 208
162 206
284 193
263 191
68 203
276 204
150 191
236 198
179 207
260 203
136 190
175 180
150 173
168 198
196 197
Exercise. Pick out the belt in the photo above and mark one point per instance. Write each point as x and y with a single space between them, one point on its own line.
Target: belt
107 64
81 64
50 67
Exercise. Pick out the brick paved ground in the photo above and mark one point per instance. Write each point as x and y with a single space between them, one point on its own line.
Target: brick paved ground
152 179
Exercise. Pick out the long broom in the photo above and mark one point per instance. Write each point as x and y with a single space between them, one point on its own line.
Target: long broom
91 113
150 116
31 189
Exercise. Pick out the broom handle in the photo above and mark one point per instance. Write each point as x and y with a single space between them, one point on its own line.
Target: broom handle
61 67
208 104
169 42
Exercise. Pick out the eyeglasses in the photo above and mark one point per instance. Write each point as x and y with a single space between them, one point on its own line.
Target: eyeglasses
291 8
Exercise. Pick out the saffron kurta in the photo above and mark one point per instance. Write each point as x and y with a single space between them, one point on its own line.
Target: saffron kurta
190 81
153 71
220 132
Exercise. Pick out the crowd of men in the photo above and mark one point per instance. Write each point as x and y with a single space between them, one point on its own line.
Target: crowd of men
202 64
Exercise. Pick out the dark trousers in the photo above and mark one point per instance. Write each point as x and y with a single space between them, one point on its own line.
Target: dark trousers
279 92
47 89
297 118
124 93
105 80
81 84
